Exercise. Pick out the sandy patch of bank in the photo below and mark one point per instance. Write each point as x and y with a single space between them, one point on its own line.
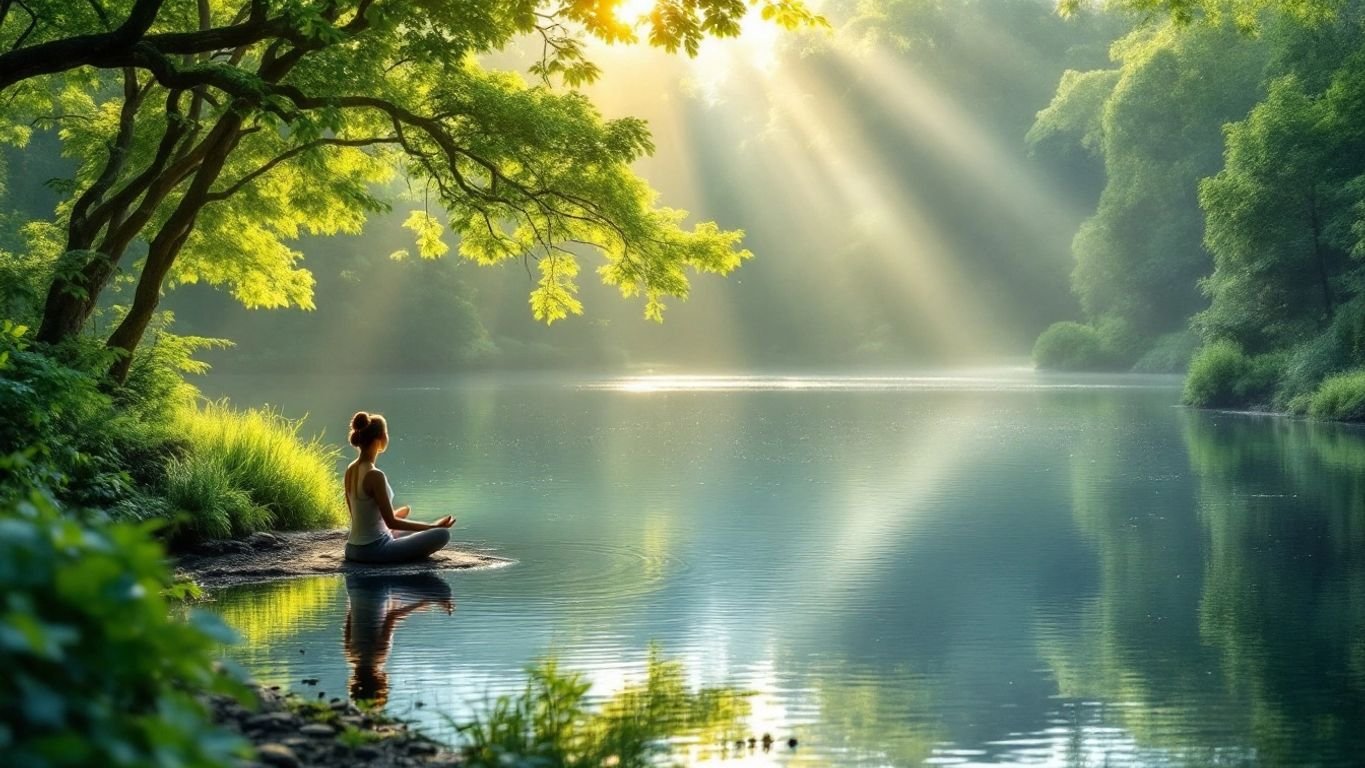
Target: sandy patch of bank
270 556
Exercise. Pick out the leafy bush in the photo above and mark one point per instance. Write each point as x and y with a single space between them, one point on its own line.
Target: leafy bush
70 426
1170 353
1340 398
147 450
246 471
551 724
1222 376
97 671
1068 346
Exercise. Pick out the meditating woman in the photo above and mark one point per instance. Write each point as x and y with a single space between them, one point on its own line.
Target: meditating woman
369 497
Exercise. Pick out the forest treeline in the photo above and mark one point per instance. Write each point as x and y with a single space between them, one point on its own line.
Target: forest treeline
1231 227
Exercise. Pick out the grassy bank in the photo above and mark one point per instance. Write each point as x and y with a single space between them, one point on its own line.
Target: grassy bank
238 472
1223 376
153 449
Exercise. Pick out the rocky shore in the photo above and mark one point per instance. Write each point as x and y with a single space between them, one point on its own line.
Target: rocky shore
286 731
270 556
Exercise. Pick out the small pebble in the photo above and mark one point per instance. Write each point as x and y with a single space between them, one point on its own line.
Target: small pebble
309 681
317 729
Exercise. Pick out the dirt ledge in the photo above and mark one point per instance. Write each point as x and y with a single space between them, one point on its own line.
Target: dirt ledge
271 556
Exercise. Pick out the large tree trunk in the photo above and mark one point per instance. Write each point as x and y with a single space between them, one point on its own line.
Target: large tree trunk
165 247
71 299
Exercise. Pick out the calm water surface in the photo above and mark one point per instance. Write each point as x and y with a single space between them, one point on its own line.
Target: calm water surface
1003 568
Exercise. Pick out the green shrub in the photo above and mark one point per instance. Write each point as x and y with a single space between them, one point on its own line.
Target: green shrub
551 723
97 670
1170 353
71 427
1340 398
1222 376
1068 346
146 450
245 471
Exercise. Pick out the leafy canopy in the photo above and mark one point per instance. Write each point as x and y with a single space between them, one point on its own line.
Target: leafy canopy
219 132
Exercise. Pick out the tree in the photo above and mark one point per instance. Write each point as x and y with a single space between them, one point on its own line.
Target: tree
216 132
1285 214
1155 120
1247 15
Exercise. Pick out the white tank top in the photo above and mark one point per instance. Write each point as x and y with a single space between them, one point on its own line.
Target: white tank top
367 525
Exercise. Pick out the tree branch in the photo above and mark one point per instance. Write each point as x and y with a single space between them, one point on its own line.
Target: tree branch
284 157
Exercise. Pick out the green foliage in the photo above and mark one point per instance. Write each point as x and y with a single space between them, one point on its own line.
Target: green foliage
1340 398
98 671
551 723
218 156
1222 376
1139 257
248 471
150 451
1170 353
1076 111
1282 215
71 429
1247 15
1070 346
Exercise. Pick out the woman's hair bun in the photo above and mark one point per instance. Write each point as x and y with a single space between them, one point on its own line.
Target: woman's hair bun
366 428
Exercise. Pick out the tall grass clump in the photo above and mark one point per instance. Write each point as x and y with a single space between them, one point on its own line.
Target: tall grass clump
249 470
1340 398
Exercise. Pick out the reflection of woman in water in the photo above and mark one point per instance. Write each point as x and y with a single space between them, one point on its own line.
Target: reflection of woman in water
377 604
369 497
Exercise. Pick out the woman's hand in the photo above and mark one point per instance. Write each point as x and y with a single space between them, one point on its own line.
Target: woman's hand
445 522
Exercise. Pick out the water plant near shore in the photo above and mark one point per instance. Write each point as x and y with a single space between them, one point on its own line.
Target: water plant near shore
551 722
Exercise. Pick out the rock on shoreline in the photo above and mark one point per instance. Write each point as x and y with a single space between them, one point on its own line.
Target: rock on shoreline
288 732
270 556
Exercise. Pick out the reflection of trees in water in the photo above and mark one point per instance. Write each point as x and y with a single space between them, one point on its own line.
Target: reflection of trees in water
1283 504
854 704
265 615
1234 616
1135 645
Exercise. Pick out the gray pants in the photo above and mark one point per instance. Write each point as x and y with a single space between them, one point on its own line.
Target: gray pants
400 549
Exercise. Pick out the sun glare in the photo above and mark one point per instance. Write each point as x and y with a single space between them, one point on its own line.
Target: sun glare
634 11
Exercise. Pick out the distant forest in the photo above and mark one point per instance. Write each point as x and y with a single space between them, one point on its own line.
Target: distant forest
1232 219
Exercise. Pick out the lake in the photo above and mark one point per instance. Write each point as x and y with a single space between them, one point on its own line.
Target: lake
983 568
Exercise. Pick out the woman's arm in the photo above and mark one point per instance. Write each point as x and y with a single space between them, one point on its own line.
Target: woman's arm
378 488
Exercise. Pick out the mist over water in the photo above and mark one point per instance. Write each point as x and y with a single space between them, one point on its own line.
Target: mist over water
981 568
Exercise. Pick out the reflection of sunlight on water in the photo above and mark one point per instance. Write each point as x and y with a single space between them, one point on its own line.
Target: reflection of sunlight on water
1002 380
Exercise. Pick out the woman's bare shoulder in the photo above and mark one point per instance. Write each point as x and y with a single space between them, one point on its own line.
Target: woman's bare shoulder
373 478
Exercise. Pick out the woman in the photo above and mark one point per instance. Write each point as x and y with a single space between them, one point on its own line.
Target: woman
369 497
